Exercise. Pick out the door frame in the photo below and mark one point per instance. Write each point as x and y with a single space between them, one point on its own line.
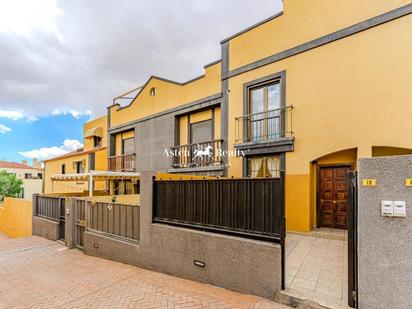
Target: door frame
318 168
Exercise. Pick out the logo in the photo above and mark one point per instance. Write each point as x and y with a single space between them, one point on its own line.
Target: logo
202 152
199 153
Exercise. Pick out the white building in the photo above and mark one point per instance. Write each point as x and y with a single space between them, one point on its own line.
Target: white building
32 176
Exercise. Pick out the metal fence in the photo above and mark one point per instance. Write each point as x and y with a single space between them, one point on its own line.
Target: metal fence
115 219
248 207
49 207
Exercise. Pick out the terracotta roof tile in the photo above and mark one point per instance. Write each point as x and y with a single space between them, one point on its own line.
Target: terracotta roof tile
6 164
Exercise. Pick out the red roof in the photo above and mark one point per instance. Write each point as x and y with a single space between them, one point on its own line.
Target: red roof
5 164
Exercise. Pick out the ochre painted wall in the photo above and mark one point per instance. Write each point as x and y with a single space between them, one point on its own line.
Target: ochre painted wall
342 101
16 217
302 21
346 95
54 166
169 95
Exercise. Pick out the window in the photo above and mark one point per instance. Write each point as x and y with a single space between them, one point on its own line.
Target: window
124 187
201 132
265 112
39 175
27 176
153 91
79 167
264 166
128 146
97 141
63 168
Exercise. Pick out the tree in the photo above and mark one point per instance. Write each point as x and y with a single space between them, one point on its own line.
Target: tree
9 185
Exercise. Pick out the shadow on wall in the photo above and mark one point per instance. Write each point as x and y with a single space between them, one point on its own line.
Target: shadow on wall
16 217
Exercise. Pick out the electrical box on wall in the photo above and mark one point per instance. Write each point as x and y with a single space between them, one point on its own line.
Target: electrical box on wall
387 208
399 209
393 208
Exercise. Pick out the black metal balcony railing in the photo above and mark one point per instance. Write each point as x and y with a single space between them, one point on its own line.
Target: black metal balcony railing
122 163
264 126
199 154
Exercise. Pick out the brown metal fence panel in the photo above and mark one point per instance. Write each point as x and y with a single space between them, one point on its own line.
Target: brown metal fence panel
249 207
48 207
115 219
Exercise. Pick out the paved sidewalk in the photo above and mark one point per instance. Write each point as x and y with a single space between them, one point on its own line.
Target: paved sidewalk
37 273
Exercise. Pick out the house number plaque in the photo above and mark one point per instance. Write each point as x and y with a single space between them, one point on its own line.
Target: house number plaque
408 182
369 182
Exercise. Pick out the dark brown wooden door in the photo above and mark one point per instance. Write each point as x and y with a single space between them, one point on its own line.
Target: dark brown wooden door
333 197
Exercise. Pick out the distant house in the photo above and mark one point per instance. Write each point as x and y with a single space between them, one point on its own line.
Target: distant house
93 156
32 176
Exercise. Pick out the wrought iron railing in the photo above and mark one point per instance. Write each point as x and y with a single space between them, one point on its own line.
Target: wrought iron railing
197 155
264 126
122 163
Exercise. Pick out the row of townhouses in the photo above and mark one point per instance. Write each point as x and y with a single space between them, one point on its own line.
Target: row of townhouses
301 102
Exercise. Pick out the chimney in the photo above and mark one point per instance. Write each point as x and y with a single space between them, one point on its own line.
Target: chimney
36 163
24 162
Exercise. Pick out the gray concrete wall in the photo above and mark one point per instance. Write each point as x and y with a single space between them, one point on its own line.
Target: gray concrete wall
384 243
152 137
45 228
235 263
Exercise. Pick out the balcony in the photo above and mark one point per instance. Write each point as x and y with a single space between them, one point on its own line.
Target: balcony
122 163
265 129
198 155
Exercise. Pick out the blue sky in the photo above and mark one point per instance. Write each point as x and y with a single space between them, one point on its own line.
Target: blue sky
47 132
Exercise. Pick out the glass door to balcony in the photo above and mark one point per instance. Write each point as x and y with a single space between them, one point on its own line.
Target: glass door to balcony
265 112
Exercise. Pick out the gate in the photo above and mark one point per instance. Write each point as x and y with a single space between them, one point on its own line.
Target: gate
352 240
80 223
51 208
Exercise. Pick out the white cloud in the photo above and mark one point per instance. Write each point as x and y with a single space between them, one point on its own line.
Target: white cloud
46 153
76 114
4 129
23 17
78 55
14 115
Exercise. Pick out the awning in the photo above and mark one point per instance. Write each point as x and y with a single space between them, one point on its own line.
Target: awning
95 175
98 131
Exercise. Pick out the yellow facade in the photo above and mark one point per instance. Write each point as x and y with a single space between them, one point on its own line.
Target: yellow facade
54 165
169 95
351 96
16 217
342 94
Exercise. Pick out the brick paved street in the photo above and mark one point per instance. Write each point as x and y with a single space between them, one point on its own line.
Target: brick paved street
37 273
